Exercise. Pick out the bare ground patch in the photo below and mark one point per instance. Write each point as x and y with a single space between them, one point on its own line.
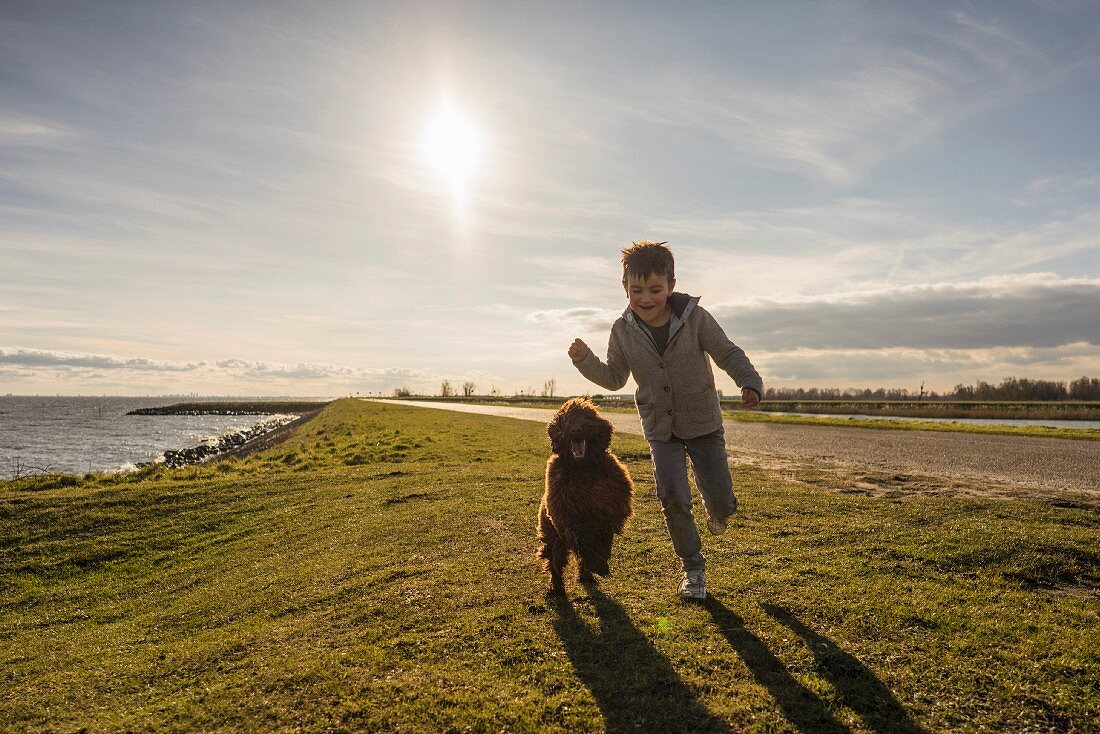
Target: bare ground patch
846 479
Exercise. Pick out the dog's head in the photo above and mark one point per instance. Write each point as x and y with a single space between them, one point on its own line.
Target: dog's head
577 432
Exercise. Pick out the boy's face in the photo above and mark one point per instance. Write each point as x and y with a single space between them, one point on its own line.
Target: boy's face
648 297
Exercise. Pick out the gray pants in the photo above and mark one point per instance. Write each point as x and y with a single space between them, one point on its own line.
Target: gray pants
712 476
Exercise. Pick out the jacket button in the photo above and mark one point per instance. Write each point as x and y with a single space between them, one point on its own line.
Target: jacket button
661 365
670 412
667 388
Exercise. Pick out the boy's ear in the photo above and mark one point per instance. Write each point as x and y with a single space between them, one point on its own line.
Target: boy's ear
671 285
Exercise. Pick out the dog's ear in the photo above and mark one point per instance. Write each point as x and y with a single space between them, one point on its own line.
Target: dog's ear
602 437
552 431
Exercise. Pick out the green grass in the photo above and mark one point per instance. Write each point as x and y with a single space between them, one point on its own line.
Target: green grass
376 572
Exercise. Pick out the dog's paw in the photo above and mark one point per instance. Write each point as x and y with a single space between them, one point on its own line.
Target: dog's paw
554 591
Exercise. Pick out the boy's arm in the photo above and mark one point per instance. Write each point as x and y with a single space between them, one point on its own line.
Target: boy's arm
728 356
610 376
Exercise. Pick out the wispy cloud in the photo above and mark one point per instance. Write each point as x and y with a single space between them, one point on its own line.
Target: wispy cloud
870 101
859 240
586 319
22 130
234 368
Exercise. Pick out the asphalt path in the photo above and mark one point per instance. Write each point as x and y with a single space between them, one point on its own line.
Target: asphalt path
1024 461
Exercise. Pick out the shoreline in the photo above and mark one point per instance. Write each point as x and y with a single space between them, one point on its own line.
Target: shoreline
236 437
177 458
236 443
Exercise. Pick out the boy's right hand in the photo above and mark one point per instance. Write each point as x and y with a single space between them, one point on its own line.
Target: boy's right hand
578 350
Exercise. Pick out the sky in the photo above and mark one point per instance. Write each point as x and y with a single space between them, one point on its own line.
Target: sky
297 198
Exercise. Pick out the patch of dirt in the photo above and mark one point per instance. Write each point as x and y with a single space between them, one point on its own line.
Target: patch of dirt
1074 591
407 498
830 476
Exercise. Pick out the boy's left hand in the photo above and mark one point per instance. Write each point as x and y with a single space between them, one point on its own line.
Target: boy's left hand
749 398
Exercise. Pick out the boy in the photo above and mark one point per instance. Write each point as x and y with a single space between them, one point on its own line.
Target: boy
663 338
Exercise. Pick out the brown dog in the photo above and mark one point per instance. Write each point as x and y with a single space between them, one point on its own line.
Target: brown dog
589 495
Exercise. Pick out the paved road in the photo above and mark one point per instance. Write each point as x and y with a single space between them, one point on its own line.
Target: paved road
1049 463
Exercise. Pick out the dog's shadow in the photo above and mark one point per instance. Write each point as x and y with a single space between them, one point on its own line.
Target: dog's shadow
634 684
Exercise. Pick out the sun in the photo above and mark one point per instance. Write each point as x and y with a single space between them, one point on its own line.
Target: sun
452 146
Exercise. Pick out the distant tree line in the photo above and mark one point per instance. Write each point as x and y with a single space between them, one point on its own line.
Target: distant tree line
835 393
1010 389
469 389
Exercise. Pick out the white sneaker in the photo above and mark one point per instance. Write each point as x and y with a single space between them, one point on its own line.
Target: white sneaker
694 585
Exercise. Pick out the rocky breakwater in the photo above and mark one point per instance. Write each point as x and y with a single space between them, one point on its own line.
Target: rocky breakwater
175 459
282 412
250 407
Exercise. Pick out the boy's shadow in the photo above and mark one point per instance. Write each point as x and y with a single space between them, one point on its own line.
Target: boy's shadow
858 687
633 683
802 707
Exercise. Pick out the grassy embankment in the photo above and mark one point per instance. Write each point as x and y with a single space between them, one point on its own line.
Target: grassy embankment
820 418
376 572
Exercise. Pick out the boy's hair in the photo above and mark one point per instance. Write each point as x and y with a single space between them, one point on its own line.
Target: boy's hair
645 258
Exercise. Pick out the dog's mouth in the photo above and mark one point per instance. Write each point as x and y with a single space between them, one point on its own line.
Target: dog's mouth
577 447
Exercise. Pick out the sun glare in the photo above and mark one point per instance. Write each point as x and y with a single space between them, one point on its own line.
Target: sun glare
452 146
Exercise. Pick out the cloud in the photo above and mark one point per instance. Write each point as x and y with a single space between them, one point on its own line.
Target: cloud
939 368
1035 310
51 358
18 130
585 319
23 359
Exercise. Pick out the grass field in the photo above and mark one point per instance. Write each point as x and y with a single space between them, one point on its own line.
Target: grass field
376 572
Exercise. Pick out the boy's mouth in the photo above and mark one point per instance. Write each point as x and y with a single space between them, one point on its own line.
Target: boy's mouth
577 448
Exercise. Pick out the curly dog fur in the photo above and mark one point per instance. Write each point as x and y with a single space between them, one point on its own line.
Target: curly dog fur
589 495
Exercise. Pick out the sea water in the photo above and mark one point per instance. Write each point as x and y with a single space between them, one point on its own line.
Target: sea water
84 434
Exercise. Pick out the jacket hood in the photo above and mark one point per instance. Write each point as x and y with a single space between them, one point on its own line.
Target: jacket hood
680 301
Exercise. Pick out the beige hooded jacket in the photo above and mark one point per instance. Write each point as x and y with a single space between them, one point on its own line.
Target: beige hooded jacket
676 394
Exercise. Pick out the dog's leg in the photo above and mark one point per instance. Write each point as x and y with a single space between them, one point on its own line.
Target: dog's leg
594 548
556 565
583 574
553 552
